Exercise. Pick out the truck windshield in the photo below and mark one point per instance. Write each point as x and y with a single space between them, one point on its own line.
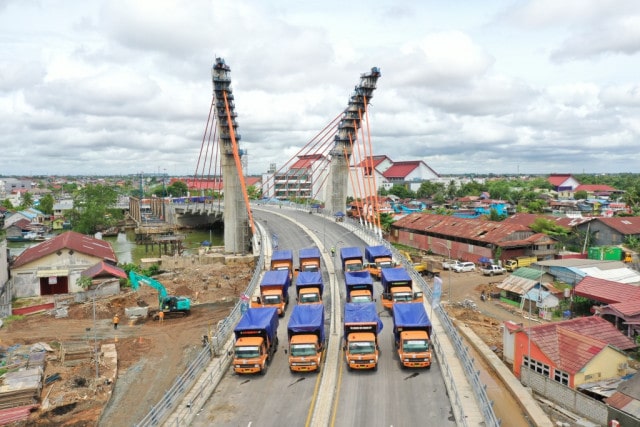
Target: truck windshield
354 267
403 297
271 299
303 350
361 298
246 352
362 347
307 298
311 268
410 346
385 264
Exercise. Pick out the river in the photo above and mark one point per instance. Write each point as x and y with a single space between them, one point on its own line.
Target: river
128 252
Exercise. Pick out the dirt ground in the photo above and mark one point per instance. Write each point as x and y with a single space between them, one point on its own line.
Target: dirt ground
150 354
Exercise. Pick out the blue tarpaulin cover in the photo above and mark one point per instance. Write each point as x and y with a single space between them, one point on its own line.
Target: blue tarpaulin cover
307 318
257 319
362 313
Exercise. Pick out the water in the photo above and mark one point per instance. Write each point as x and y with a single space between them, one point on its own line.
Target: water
128 252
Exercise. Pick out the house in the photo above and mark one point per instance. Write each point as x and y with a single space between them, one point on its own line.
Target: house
624 403
572 352
597 190
411 174
611 231
54 266
564 184
470 239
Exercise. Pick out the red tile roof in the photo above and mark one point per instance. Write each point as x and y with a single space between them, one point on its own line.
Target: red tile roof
103 269
627 308
203 184
253 180
571 344
594 188
305 162
400 169
68 240
375 159
558 179
606 291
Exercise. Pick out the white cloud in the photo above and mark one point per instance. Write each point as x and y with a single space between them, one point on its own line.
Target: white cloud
109 86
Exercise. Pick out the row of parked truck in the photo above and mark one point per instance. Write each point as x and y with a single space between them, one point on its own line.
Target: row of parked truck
256 333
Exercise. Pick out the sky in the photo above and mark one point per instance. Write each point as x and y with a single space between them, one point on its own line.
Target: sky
495 86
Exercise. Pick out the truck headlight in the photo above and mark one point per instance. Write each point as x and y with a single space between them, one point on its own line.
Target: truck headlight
256 366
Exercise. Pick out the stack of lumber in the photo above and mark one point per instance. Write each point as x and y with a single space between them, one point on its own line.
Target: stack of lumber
21 388
75 353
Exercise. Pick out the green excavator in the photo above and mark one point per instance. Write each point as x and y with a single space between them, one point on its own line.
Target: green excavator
171 306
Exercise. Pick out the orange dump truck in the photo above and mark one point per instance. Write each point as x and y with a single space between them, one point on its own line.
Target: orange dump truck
273 291
412 333
256 340
306 337
283 260
361 328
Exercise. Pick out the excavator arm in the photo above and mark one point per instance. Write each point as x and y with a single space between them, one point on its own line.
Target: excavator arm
136 278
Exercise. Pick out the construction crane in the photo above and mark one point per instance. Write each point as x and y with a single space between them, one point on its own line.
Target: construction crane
171 306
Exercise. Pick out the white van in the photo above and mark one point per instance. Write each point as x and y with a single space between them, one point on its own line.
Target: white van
464 266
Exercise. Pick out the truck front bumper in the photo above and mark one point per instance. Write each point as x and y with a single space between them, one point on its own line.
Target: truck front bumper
246 369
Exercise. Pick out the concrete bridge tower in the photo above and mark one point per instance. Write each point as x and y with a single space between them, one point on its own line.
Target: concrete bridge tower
237 231
336 195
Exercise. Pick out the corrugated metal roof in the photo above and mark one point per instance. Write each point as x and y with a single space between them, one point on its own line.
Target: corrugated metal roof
528 273
305 162
67 240
497 233
517 285
623 224
621 275
606 291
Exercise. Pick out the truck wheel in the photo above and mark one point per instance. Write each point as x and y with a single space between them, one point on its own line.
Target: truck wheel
491 274
263 371
375 368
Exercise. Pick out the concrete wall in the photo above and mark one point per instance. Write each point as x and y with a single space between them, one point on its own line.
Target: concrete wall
565 397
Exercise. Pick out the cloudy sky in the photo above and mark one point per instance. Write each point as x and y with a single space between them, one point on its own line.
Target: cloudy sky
510 86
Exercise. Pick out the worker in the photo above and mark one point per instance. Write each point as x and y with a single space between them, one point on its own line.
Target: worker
116 320
333 251
161 316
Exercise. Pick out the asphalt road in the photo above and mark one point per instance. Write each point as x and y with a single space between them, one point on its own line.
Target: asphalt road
389 397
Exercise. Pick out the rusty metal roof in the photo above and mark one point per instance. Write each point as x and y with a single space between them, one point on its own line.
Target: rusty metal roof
502 234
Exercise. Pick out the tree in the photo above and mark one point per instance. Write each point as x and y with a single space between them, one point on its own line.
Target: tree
93 209
580 195
178 189
402 192
253 192
27 201
46 204
429 189
385 221
548 227
6 203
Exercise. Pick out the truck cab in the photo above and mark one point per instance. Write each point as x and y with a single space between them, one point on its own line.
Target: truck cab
282 260
378 258
250 355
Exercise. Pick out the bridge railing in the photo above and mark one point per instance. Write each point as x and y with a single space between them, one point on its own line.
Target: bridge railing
216 346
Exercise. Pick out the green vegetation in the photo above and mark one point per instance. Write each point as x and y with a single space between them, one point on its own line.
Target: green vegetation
94 209
13 318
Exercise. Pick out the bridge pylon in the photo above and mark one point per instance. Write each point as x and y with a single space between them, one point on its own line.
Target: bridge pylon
336 195
237 226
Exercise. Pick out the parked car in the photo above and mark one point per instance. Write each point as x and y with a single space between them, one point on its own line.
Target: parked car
448 264
492 269
464 266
